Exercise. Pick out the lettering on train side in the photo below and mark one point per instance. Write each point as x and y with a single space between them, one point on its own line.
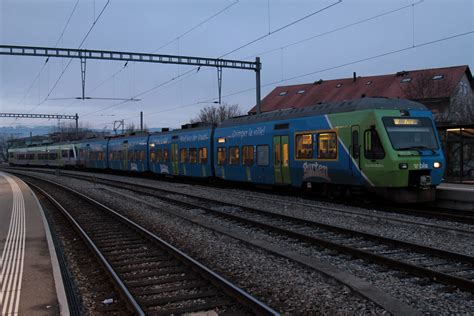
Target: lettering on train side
315 170
421 165
250 132
193 138
164 169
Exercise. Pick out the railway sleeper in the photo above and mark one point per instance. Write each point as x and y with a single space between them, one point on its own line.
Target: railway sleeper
195 308
167 280
173 288
205 296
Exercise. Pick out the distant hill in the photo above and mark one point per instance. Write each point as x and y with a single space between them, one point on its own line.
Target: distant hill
24 131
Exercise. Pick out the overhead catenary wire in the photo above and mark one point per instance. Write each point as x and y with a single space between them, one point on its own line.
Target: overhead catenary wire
315 72
334 30
352 62
281 28
47 59
168 43
249 43
70 60
307 39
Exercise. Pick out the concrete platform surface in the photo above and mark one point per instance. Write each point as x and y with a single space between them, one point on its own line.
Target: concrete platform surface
30 279
455 196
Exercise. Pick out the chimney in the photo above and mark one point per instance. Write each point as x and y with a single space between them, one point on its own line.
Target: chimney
354 78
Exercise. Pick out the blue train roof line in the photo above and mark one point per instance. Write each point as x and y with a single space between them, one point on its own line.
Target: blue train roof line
328 108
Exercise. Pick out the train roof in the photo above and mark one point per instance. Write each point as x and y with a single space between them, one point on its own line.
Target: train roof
327 108
188 129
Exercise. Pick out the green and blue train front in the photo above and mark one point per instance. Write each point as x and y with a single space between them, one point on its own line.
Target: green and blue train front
400 155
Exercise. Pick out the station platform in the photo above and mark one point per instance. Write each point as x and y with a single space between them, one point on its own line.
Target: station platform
30 279
455 196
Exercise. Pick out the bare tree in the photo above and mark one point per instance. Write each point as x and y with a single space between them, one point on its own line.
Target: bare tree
68 132
217 114
436 94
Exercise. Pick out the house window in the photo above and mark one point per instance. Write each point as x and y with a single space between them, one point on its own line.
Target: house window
301 91
283 93
247 153
203 155
221 155
304 146
192 155
262 155
369 82
234 156
339 85
327 145
438 77
405 80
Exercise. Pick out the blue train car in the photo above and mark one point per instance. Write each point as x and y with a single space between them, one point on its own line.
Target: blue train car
183 152
389 147
93 154
243 150
128 153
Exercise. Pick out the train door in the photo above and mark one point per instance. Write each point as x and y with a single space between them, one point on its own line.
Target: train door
174 158
355 151
281 161
125 155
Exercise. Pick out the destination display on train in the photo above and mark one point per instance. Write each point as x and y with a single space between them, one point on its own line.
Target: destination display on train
405 121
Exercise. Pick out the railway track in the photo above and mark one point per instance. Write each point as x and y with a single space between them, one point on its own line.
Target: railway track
419 211
152 276
439 265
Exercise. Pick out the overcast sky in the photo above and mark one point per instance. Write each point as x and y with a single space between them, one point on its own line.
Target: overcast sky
317 47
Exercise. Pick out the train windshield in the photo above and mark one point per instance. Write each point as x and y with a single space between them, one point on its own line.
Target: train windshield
408 133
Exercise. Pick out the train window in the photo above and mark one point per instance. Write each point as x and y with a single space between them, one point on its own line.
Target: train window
192 155
11 155
165 155
142 155
327 145
71 153
203 155
262 155
53 156
234 156
182 155
304 146
152 155
221 155
159 155
372 145
247 155
64 153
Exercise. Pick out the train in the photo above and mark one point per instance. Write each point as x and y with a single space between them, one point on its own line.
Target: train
387 147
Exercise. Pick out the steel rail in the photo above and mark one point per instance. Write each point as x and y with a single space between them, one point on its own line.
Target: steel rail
464 284
230 289
130 300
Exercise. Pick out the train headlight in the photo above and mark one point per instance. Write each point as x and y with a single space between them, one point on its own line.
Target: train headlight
436 164
403 165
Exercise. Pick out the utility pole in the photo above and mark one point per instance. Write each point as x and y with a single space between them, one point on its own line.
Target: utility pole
141 121
257 77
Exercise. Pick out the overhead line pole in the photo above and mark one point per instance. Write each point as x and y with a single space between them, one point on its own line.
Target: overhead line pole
84 54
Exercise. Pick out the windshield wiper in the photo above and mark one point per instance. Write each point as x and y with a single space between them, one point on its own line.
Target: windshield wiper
418 148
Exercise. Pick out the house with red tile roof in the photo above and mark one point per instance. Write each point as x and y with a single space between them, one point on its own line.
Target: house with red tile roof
447 92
